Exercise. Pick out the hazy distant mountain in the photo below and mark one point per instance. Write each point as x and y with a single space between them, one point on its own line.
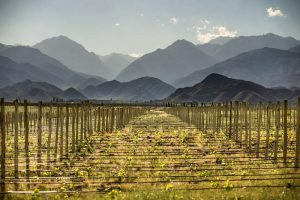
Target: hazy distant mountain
71 93
22 54
295 49
88 82
142 89
38 91
220 40
3 47
116 62
169 64
12 72
74 56
242 44
267 66
210 49
219 88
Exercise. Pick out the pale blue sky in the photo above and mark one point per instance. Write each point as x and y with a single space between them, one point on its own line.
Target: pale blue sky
141 26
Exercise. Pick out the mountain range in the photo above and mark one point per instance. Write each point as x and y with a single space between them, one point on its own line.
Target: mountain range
12 72
116 62
58 74
74 56
241 44
142 89
219 88
39 91
267 66
150 77
175 61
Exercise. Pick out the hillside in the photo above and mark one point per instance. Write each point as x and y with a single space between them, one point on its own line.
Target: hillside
12 72
116 62
241 44
295 49
219 88
38 91
175 61
74 56
24 54
268 67
142 89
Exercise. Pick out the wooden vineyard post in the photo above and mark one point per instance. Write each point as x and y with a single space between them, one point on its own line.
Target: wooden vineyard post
106 121
226 119
81 123
67 131
122 118
103 120
95 114
112 121
295 125
250 129
118 118
26 131
73 128
277 121
268 130
259 118
56 133
84 121
285 136
3 148
85 116
297 155
91 129
99 119
230 120
61 118
236 120
49 135
246 123
87 120
77 126
16 143
39 139
218 106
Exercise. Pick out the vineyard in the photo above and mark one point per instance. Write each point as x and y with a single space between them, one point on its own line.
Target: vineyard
205 151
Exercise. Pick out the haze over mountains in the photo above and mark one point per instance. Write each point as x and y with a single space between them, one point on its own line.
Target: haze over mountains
64 76
74 56
295 49
219 88
116 62
39 91
267 66
238 45
177 60
12 72
142 89
269 60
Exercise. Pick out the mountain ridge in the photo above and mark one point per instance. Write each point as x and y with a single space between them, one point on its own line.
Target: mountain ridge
219 88
267 66
73 55
141 89
179 58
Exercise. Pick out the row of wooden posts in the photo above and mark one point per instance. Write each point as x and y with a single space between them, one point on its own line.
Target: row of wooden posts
250 126
69 124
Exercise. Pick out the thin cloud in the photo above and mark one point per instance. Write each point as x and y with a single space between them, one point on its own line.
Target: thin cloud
117 24
135 55
273 12
205 32
173 20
